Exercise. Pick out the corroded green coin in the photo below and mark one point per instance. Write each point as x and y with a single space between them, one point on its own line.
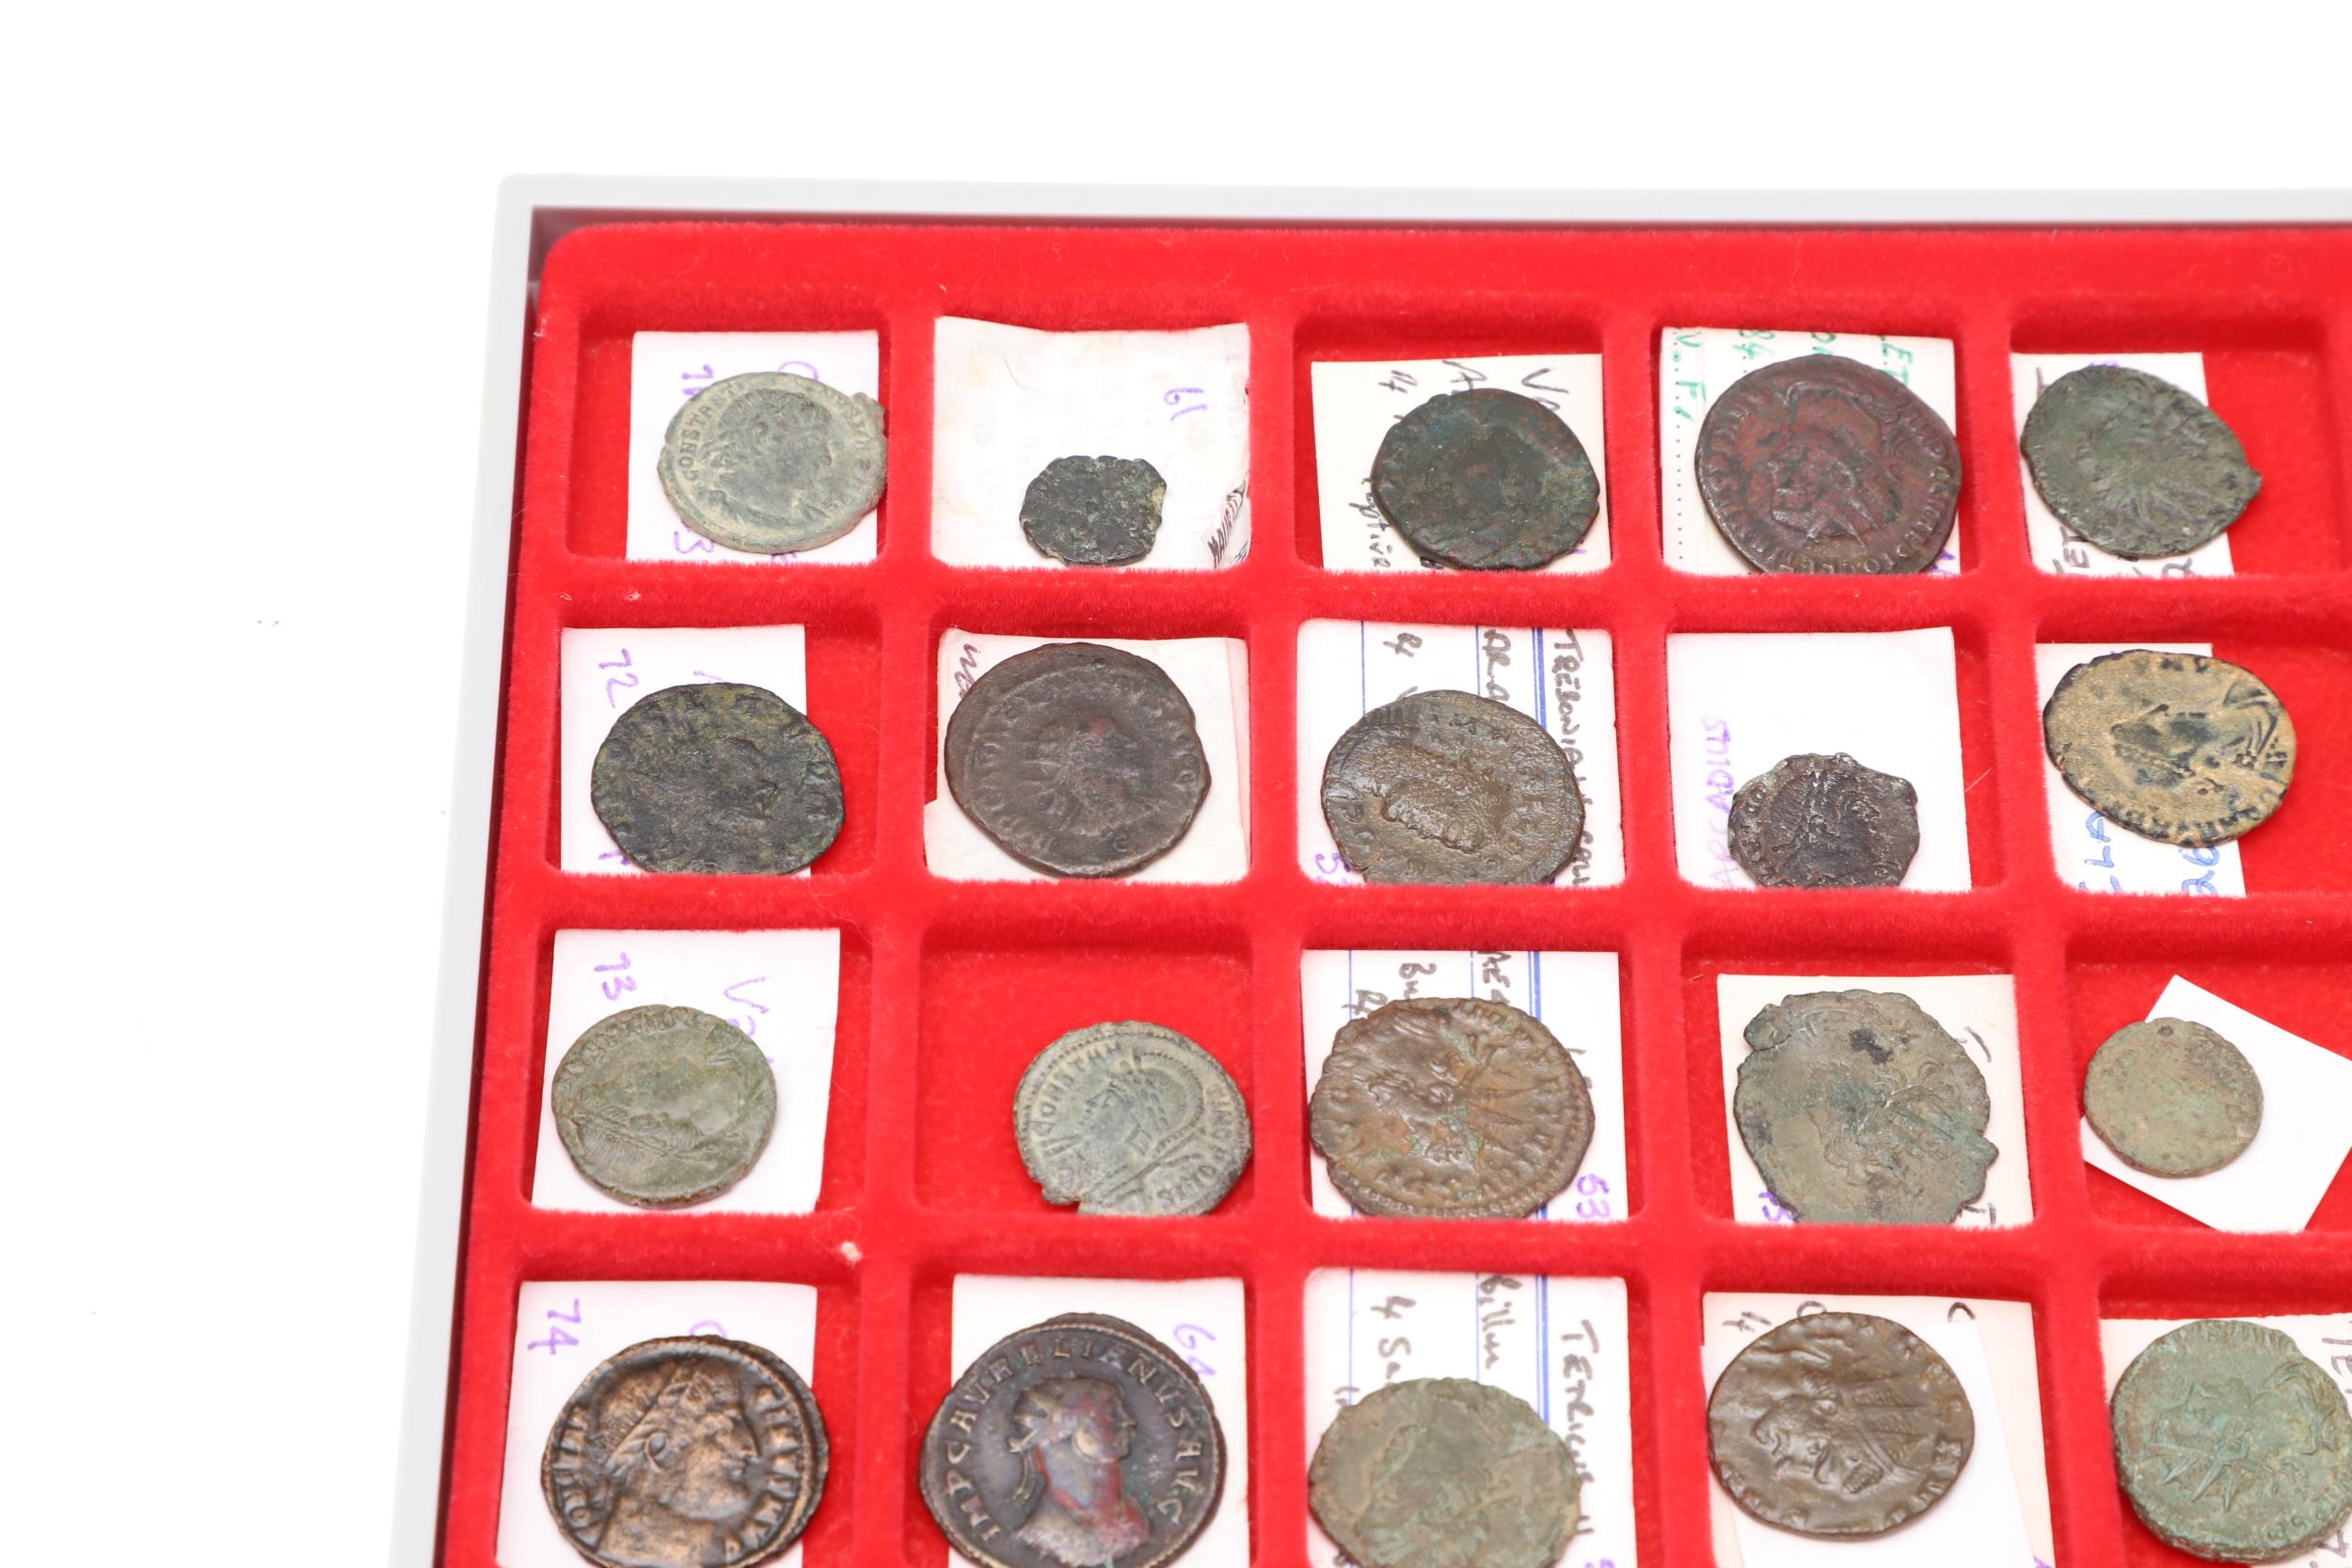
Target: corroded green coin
717 777
1131 1119
663 1107
1441 1472
1486 478
2173 1098
774 463
2134 464
2176 746
2231 1444
1094 511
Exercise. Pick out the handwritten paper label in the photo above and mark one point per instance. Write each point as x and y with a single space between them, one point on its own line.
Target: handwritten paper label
2059 548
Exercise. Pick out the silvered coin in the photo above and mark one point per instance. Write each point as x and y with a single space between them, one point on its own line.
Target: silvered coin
2176 746
2173 1098
2231 1444
1838 1424
774 463
1486 478
1094 511
1131 1119
717 777
1860 1109
1442 1472
686 1453
1824 821
2134 464
663 1107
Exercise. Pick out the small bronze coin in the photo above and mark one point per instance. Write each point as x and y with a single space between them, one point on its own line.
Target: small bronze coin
717 777
774 463
1131 1119
1441 1472
2176 746
1443 786
2134 464
696 1453
2173 1098
1077 759
1860 1109
1824 821
1450 1106
2232 1443
1486 478
1080 1440
663 1107
1838 1424
1094 511
1823 465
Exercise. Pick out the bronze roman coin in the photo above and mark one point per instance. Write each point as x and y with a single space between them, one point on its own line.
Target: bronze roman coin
2176 746
2231 1444
663 1107
1819 463
1443 786
695 1452
2173 1098
774 463
1860 1109
1838 1424
717 777
1450 1106
1078 1441
1131 1119
2134 464
1077 759
1824 821
1443 1470
1094 511
1486 478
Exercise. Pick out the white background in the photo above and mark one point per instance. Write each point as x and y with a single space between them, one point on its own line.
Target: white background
256 547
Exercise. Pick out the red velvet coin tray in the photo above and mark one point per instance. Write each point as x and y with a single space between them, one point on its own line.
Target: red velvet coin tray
947 988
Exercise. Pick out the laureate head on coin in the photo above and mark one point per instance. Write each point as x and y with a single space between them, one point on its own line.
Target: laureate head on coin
774 463
1819 463
1094 511
1860 1109
1824 821
2173 1098
1450 1106
663 1107
2231 1444
1077 1442
1131 1119
1077 759
1445 786
1486 478
1838 1424
1442 1472
2176 746
717 777
2134 464
695 1452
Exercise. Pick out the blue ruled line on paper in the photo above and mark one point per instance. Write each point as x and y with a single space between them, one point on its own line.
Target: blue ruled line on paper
1535 680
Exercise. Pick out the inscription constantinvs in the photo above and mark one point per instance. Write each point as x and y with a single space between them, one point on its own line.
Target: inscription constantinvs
774 463
1131 1119
1824 821
686 1453
2173 1098
1442 1472
663 1107
2134 464
1838 1424
2176 746
1080 1441
1486 478
2231 1444
1094 511
717 777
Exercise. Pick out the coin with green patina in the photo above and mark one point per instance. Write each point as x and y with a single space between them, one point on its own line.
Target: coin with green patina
717 777
2134 464
1486 478
1824 821
2231 1444
1094 511
774 463
2176 746
1443 1471
1131 1119
663 1107
2173 1098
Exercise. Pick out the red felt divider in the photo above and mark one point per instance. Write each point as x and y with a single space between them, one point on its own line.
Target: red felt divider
947 988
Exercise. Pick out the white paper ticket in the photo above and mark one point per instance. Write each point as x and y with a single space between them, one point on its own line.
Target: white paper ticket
2059 548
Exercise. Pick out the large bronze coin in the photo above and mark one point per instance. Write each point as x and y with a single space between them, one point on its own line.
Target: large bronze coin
1131 1119
1450 1106
1077 759
1094 511
1824 821
2231 1444
1838 1424
774 463
686 1453
717 777
1441 1472
1081 1440
1823 465
2173 1098
1486 478
1443 786
663 1107
2134 464
2176 746
1860 1109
